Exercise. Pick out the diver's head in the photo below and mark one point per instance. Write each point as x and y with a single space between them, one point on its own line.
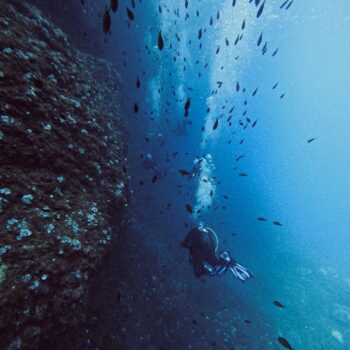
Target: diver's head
200 225
148 156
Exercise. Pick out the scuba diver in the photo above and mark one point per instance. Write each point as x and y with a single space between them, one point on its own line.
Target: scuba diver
149 163
203 243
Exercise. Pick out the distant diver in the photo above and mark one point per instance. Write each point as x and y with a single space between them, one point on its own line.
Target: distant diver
149 163
203 243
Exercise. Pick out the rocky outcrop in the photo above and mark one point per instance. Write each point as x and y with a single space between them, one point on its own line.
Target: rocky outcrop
63 175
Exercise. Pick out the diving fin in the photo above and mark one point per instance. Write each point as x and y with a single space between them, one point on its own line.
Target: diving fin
241 272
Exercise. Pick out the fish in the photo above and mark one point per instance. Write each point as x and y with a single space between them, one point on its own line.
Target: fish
189 208
237 86
136 108
138 83
114 5
216 124
277 223
233 3
260 218
154 179
255 91
200 34
282 96
284 342
217 50
226 196
260 39
183 172
289 5
160 41
243 25
274 87
240 157
275 53
253 125
130 14
247 321
186 4
243 174
284 4
187 106
227 42
278 304
261 9
313 139
106 25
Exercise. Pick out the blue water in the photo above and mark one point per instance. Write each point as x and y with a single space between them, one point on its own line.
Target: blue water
305 263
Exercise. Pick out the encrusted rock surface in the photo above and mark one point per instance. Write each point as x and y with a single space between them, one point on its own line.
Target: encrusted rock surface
63 175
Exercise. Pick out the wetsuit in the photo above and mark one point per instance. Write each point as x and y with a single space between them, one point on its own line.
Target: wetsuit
202 243
202 246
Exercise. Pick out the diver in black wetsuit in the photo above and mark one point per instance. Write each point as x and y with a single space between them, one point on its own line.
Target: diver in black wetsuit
202 243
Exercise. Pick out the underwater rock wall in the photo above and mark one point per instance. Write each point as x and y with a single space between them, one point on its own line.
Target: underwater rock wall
63 175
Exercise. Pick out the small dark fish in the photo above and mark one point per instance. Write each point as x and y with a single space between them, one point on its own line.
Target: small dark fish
243 174
217 50
284 4
289 5
106 21
275 53
257 2
216 124
183 172
147 140
274 87
187 106
200 33
160 41
255 91
247 321
114 5
260 39
131 15
277 223
136 108
189 208
186 4
240 157
253 125
261 219
138 83
284 342
243 25
154 179
261 9
282 96
313 139
237 86
278 304
226 196
233 3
